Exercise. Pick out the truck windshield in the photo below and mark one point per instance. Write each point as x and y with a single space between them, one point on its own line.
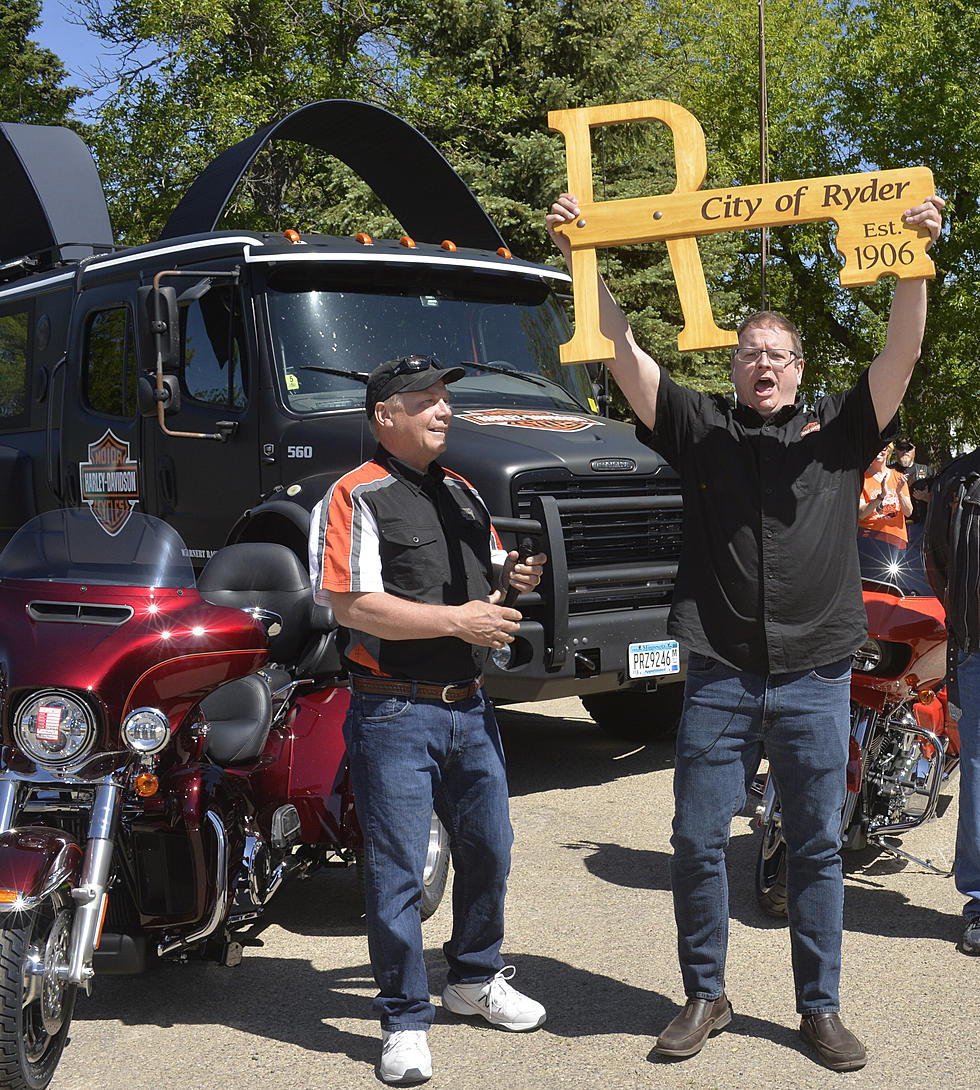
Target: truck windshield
324 338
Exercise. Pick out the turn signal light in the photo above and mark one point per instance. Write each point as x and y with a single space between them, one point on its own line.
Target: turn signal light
448 244
364 239
406 241
8 896
146 784
912 681
292 235
927 696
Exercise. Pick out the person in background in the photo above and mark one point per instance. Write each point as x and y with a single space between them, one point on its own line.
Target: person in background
919 478
885 503
903 461
951 550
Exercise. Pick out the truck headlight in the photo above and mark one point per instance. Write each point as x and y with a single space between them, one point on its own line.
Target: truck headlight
146 730
54 727
501 656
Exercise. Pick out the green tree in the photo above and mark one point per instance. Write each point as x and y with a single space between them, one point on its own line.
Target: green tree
482 77
194 76
911 98
476 76
850 89
31 78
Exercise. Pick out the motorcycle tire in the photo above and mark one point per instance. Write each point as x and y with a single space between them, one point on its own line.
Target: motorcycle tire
35 1008
770 871
435 875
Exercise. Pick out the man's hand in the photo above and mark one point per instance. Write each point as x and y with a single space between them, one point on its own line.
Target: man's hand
522 577
927 215
486 623
563 211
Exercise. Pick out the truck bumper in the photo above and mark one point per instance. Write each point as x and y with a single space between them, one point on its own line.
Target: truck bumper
594 661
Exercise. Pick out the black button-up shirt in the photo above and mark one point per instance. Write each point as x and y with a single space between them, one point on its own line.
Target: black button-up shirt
425 537
768 580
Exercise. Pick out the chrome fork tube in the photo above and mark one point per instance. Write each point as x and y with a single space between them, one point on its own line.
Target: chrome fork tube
89 895
8 804
864 721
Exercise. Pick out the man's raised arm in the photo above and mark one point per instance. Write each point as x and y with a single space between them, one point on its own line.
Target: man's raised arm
891 370
637 374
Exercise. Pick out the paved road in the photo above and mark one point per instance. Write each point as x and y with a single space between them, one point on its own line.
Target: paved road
590 930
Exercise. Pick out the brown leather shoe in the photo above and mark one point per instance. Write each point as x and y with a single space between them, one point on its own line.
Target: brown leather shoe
687 1033
839 1049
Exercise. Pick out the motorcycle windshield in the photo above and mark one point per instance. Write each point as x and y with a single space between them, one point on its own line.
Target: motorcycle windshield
71 546
886 565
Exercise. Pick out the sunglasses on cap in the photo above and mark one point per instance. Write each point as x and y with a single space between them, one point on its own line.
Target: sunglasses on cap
408 365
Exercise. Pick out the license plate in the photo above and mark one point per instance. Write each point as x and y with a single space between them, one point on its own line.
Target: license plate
651 659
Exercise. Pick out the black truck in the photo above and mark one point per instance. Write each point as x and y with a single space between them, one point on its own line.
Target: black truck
215 379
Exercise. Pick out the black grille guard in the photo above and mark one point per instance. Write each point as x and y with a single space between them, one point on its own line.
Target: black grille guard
545 527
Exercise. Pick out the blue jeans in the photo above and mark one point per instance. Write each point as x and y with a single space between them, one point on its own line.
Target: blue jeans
802 721
408 756
967 865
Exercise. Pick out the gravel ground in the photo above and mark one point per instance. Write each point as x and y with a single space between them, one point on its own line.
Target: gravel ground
590 930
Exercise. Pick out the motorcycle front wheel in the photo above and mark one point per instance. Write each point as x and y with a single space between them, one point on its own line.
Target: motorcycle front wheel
36 1001
770 870
436 872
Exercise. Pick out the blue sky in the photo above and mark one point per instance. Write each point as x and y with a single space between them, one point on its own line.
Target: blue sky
76 48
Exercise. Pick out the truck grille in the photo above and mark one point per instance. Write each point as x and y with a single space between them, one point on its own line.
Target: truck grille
607 549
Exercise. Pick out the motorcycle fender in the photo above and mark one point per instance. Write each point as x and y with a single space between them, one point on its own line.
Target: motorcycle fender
34 861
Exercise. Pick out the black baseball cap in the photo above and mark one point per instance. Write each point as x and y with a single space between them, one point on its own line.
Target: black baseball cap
404 374
904 445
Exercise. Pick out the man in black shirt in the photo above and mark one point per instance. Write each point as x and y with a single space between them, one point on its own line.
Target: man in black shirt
918 477
401 549
768 603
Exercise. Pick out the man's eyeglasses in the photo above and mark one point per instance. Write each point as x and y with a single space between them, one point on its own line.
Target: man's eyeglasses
779 358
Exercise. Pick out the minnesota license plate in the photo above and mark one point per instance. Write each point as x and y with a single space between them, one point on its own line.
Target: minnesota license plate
651 659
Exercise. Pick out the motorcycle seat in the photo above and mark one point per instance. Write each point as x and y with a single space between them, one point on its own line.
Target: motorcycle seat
269 576
239 715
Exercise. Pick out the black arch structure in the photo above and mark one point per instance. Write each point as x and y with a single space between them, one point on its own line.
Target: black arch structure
52 195
404 169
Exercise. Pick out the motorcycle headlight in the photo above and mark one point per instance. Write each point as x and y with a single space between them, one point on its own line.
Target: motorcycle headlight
146 730
55 728
866 657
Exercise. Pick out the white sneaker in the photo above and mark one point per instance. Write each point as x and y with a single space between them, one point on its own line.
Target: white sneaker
496 1001
405 1056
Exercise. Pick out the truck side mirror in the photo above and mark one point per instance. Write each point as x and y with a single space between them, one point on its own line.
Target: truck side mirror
147 396
160 326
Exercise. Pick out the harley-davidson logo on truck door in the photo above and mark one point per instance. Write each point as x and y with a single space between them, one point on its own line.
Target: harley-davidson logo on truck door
110 482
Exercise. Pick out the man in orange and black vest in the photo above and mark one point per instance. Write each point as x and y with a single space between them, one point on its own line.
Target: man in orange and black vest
404 552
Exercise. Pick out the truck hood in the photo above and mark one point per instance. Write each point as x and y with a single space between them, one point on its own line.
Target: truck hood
488 446
531 438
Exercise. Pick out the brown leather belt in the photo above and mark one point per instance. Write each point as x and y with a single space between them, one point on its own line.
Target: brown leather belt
448 694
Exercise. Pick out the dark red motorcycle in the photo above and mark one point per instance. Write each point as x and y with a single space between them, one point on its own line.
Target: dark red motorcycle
171 753
903 744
